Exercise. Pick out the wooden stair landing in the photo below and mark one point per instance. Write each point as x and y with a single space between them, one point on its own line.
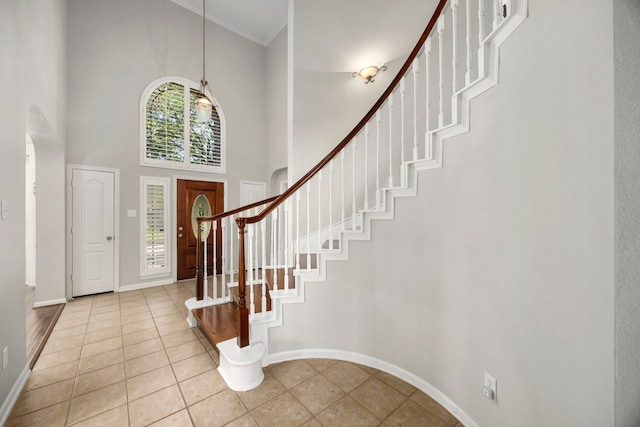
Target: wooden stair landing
218 323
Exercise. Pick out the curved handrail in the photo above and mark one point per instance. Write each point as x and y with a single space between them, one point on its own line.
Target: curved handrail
237 210
405 67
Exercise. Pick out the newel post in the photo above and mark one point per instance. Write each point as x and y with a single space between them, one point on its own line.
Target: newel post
199 272
243 311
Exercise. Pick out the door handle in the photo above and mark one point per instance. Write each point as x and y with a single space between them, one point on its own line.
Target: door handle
109 238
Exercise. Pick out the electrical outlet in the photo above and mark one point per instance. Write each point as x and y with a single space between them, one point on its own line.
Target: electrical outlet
489 388
5 358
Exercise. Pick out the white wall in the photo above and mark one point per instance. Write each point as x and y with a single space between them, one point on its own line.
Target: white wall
627 159
504 262
276 102
32 78
116 49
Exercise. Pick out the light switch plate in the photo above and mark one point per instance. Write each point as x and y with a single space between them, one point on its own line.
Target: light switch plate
131 213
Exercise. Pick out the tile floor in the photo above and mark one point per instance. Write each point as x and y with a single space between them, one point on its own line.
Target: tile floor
129 359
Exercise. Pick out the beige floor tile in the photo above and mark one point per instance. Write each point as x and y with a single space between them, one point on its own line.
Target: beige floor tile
134 304
179 419
346 375
149 382
62 344
137 326
99 317
58 358
172 328
377 397
52 416
139 336
244 421
99 361
42 397
268 389
347 412
160 302
171 310
98 326
97 379
432 406
142 348
312 423
72 321
155 406
321 364
138 316
43 377
202 386
395 382
193 366
100 347
283 411
178 338
68 332
217 410
292 373
115 417
106 333
146 363
131 295
410 414
184 351
317 393
133 310
97 402
168 318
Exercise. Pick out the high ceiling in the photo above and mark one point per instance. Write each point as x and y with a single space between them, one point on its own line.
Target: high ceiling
257 20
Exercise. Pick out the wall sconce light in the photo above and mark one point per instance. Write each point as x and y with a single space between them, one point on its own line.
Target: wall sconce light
369 73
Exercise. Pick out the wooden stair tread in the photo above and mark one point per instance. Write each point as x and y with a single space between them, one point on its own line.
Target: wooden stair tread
218 323
257 294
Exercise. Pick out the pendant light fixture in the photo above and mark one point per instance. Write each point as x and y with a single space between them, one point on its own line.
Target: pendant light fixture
203 106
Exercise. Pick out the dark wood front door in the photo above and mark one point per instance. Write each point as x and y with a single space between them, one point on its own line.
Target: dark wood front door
188 191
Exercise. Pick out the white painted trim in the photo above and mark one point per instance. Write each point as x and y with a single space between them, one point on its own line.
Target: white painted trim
14 393
173 207
49 302
242 184
145 285
381 365
188 84
116 225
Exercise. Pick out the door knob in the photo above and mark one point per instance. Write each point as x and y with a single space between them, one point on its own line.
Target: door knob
109 238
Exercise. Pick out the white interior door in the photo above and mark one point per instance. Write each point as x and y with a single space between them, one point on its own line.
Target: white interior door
252 192
93 226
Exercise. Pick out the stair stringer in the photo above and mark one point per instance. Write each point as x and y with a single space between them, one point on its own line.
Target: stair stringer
488 77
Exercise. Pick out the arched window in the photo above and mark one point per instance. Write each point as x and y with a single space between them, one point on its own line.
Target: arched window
172 137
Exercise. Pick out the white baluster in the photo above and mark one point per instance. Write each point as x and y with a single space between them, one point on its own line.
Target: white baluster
342 187
427 68
274 238
416 69
331 204
378 190
353 183
391 139
233 234
480 22
497 13
366 167
308 225
298 230
252 307
286 244
441 69
215 263
263 231
206 270
402 135
320 210
454 28
223 270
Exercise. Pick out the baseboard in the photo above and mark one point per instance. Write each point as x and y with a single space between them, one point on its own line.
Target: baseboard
12 398
381 365
146 285
50 302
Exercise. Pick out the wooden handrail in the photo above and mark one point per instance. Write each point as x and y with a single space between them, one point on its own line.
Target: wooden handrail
407 64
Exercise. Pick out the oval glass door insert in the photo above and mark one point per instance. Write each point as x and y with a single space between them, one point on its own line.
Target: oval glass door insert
200 208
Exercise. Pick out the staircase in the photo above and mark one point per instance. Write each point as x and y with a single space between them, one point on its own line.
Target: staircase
274 247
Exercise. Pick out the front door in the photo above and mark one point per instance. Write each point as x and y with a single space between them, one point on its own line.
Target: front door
188 193
93 227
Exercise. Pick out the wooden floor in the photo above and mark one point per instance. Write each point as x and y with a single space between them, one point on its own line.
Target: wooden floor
40 323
